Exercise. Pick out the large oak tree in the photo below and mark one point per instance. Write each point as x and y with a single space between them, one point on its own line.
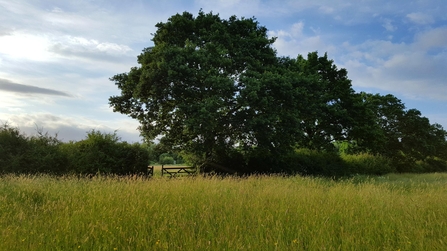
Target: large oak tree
190 85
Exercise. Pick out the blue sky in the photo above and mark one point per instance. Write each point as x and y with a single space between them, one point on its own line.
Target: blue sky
56 57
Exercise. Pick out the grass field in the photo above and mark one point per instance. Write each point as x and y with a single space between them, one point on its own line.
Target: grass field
394 212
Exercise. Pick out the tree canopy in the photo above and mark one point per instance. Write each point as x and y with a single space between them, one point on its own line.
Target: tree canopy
211 87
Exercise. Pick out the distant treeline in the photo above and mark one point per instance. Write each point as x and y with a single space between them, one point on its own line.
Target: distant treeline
105 153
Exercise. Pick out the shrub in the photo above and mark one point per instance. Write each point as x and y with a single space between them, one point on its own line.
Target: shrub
131 159
433 164
166 160
13 149
260 161
365 163
318 163
45 155
104 153
35 154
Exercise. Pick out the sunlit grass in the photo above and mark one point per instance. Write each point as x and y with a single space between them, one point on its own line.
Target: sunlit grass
406 212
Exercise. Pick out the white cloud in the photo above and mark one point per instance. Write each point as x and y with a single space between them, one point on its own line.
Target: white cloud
293 41
113 48
297 29
361 12
10 102
416 70
388 25
57 10
44 48
69 46
432 39
420 18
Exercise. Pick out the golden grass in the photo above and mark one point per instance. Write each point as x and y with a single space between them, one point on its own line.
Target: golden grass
406 212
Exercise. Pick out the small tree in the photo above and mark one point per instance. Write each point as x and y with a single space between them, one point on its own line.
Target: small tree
105 153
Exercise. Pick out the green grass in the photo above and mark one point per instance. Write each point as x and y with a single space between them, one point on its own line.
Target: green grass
393 212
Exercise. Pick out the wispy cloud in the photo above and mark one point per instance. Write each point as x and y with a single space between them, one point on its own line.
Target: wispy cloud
70 128
415 69
6 85
432 39
388 24
79 47
420 18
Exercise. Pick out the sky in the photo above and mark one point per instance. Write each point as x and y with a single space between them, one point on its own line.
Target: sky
56 57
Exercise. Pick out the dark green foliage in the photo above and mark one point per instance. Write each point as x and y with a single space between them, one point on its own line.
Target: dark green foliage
433 164
164 148
42 153
166 159
367 164
13 149
329 110
404 136
104 153
211 84
45 155
190 86
318 163
37 154
302 161
263 164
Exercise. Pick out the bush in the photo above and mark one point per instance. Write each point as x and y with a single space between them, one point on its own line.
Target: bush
104 153
318 163
166 160
45 155
42 153
13 150
263 162
36 154
132 159
433 164
369 164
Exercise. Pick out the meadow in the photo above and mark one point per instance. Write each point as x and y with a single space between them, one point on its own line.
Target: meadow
392 212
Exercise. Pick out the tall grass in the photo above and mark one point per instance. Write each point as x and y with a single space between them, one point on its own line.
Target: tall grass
395 212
